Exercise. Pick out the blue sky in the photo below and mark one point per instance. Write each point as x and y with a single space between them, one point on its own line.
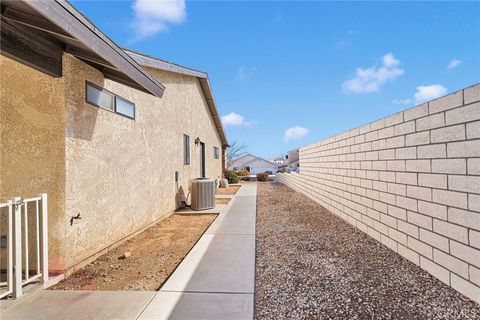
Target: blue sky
316 68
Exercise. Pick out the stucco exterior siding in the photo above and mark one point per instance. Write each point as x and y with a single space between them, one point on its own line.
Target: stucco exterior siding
116 172
121 172
32 145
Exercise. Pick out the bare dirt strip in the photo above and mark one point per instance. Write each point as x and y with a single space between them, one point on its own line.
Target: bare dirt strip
145 261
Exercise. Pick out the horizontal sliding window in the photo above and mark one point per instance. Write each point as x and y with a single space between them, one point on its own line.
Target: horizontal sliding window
100 98
124 107
107 100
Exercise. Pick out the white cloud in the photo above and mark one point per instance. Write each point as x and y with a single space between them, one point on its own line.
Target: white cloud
295 133
373 78
427 93
402 102
234 119
244 73
153 16
454 63
423 94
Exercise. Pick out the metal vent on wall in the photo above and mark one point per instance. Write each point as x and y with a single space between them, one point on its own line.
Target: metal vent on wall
203 194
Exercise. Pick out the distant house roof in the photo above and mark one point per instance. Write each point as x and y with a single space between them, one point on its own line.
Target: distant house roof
247 155
37 32
156 63
247 159
240 161
258 159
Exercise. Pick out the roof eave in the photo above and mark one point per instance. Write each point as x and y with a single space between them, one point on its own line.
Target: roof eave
159 64
207 91
66 17
152 62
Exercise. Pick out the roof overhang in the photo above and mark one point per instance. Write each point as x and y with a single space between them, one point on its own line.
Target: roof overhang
207 91
38 32
152 62
261 159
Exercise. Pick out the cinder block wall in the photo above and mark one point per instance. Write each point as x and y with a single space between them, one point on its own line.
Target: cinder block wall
411 181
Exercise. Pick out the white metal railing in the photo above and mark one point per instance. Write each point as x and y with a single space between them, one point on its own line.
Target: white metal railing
8 284
18 238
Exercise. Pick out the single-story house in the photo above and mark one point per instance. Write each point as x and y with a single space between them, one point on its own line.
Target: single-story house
111 135
253 164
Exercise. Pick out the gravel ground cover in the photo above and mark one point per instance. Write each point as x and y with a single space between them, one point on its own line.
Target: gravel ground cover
313 265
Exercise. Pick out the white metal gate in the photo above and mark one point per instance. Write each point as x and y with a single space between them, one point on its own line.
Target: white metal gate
16 215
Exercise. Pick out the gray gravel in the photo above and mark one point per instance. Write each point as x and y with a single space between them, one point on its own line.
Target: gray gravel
313 265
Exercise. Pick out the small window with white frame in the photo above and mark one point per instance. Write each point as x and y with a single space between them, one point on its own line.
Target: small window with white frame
216 153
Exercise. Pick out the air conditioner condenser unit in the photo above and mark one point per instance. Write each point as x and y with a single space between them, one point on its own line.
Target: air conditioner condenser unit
203 194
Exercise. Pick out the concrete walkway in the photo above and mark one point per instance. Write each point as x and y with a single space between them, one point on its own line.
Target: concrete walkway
216 280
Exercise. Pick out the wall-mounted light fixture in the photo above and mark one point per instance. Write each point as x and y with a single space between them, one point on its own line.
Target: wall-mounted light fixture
197 141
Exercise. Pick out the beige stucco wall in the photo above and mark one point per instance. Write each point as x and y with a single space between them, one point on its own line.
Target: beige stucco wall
117 173
32 144
120 172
